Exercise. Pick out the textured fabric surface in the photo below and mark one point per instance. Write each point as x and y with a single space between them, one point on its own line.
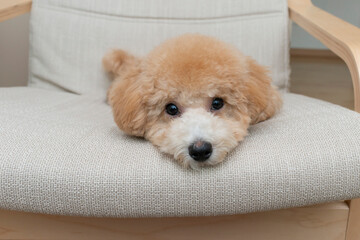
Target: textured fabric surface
61 153
69 37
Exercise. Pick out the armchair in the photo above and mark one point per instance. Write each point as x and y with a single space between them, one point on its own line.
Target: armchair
42 172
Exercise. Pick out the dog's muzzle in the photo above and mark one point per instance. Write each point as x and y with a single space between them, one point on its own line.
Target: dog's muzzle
200 151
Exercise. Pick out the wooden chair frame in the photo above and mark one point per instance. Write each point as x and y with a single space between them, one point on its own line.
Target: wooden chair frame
339 36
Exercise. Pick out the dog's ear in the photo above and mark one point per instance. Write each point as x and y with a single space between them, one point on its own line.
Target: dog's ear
263 99
118 61
126 94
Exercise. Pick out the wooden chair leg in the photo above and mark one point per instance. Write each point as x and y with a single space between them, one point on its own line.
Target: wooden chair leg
353 226
321 222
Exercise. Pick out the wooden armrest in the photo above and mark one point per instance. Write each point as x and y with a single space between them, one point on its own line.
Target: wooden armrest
344 40
339 36
13 8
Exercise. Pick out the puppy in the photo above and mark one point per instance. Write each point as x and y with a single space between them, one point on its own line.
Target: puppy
193 97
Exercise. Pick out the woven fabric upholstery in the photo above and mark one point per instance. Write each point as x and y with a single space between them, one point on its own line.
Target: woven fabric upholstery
69 37
61 153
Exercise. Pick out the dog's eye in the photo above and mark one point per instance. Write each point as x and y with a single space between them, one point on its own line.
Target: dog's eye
217 104
172 109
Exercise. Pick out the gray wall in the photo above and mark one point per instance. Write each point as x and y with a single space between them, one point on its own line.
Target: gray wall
348 10
14 47
14 34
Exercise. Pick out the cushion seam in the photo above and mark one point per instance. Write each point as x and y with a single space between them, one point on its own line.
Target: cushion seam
162 19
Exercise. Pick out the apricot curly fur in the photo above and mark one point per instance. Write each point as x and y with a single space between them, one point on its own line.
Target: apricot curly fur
190 71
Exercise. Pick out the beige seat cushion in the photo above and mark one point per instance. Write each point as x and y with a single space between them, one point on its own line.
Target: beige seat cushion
62 153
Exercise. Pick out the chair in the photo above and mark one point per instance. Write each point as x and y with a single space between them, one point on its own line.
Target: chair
62 154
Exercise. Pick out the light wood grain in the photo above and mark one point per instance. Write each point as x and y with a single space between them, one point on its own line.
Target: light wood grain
325 222
13 8
353 226
344 40
324 78
339 36
305 52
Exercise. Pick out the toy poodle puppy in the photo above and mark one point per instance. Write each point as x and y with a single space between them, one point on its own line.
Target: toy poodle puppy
193 97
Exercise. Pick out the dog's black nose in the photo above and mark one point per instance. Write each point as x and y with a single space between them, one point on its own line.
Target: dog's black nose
200 151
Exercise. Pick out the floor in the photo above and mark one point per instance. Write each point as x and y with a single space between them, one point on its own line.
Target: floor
323 78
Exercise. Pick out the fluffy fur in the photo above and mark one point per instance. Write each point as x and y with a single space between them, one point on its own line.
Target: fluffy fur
190 71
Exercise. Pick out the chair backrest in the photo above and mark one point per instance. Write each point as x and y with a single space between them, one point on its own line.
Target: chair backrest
69 37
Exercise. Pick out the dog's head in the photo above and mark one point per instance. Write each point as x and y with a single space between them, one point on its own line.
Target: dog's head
193 97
